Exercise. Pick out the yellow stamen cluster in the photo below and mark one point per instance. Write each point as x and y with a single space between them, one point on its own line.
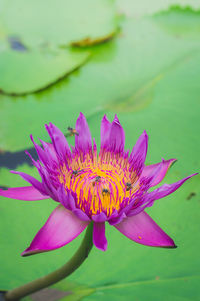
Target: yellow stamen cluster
101 184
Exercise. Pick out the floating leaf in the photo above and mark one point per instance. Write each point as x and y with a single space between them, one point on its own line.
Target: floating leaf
30 71
139 100
176 289
143 7
121 75
59 22
180 21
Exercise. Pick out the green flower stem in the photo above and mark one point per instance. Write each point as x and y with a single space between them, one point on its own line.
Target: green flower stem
59 274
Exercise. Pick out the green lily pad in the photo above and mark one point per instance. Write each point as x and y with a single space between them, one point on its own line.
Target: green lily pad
64 290
61 22
176 289
144 7
180 21
120 77
30 71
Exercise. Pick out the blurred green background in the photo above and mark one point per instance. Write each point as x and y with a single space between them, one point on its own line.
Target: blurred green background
139 59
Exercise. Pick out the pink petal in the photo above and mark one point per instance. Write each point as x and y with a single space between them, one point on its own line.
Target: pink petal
148 199
139 152
151 169
105 131
83 140
28 193
165 190
50 151
98 218
142 229
66 198
81 215
41 153
117 136
99 238
61 228
116 220
59 141
39 186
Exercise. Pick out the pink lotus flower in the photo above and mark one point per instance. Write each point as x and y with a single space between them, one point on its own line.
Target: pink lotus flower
110 187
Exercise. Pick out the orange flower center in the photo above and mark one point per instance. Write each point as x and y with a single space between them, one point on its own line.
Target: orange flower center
101 185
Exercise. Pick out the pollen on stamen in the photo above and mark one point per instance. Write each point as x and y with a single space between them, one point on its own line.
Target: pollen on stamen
103 184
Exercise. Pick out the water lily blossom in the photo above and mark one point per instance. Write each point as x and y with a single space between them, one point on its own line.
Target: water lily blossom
112 186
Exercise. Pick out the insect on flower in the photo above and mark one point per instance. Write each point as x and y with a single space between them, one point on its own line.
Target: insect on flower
71 132
128 186
111 187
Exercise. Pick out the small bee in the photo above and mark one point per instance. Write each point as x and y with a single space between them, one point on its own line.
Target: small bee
71 132
128 186
191 195
97 179
105 191
76 172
